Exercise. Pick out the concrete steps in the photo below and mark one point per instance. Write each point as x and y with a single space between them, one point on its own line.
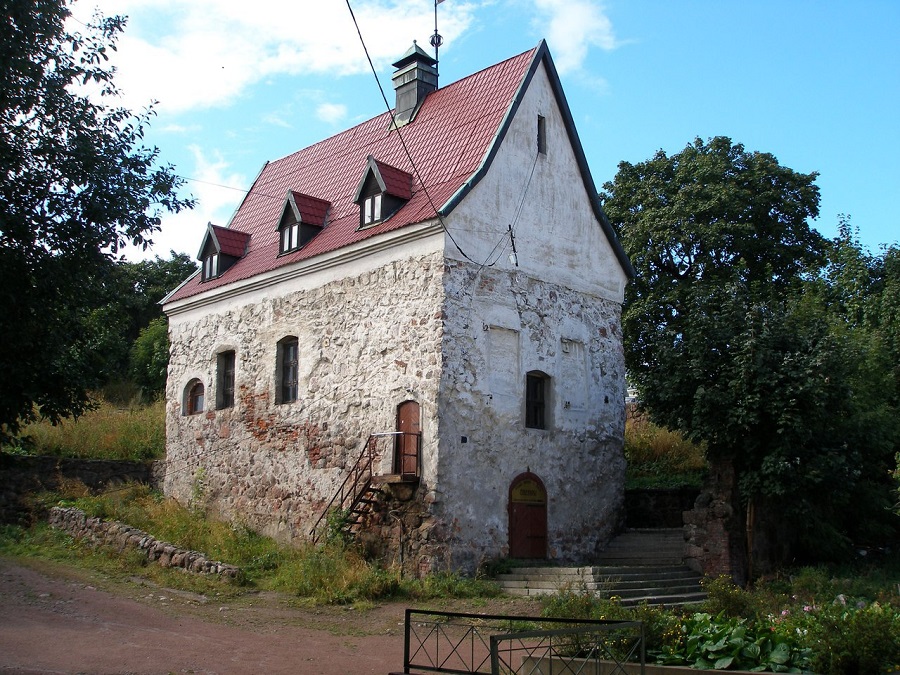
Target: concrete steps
639 566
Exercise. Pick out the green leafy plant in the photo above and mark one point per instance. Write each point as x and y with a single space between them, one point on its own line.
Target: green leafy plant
724 643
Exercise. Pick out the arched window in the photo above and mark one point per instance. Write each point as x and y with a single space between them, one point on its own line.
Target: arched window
193 398
537 399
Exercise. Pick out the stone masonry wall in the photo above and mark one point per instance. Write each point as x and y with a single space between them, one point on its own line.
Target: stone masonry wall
501 325
367 343
22 476
121 537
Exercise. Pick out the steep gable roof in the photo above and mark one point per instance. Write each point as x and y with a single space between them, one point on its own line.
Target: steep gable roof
390 179
452 141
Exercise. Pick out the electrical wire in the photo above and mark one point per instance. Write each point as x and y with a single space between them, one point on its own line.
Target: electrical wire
403 142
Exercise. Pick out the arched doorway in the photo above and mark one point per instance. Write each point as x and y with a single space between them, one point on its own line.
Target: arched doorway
527 517
406 447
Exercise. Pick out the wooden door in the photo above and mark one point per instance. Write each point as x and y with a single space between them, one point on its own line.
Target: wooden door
406 449
527 517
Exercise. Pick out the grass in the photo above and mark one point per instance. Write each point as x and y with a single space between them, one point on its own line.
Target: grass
660 458
107 432
336 573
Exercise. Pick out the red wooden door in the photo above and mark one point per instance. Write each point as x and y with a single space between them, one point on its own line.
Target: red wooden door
406 449
527 517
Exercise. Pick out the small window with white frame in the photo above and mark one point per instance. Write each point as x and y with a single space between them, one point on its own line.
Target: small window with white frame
372 209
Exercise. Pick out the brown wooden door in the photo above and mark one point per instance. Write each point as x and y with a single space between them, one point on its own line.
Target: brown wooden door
406 449
527 517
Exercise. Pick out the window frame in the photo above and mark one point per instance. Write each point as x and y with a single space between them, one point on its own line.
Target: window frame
287 370
372 209
537 400
290 237
211 266
194 398
226 364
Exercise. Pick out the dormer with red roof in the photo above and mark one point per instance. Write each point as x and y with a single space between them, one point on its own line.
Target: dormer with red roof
221 248
381 191
430 306
302 218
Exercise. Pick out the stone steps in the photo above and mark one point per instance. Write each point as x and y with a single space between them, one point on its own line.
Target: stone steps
639 566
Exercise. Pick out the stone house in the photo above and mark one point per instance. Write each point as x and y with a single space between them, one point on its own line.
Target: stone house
417 322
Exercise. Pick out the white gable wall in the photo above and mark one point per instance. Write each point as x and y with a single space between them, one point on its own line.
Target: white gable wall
558 312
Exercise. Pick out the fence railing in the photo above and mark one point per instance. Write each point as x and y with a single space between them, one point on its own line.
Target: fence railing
477 644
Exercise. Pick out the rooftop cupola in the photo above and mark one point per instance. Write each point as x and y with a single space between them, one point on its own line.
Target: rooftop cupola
415 78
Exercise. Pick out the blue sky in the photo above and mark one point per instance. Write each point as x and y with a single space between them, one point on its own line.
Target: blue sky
817 84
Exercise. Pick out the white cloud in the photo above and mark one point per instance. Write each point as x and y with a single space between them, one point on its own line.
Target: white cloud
194 54
332 113
572 27
218 192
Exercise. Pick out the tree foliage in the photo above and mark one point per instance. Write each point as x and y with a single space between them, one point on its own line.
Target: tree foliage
76 184
735 336
150 357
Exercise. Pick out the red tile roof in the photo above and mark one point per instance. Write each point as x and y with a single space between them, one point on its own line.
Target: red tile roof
231 242
448 140
396 181
312 211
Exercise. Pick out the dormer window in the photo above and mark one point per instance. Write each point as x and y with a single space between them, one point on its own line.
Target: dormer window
372 209
382 191
302 218
211 266
222 247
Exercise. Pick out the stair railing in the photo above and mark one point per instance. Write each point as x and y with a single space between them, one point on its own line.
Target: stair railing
359 479
355 484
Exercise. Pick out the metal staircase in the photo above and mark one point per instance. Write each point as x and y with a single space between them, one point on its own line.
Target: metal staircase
360 490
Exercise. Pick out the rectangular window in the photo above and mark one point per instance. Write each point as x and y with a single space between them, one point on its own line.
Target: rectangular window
225 380
288 369
372 209
290 237
535 400
210 266
542 135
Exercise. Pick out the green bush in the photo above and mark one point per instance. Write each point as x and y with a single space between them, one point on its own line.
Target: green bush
730 643
855 638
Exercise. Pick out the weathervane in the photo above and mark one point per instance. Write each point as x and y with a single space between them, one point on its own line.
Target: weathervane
436 39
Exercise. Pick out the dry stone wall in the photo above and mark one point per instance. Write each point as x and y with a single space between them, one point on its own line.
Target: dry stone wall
123 537
366 344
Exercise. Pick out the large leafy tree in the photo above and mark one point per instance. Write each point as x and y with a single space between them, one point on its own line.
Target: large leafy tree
731 341
76 184
131 302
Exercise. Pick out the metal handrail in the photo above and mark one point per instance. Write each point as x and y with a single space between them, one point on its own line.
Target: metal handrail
359 479
362 467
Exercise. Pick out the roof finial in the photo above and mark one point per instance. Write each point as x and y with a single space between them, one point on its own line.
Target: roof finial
436 39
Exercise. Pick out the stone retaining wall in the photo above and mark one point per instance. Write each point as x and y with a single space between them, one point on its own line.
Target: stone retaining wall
22 476
120 536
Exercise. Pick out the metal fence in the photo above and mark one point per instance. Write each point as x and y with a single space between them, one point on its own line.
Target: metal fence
478 644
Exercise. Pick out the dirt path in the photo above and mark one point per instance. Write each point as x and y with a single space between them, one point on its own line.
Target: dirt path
56 619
